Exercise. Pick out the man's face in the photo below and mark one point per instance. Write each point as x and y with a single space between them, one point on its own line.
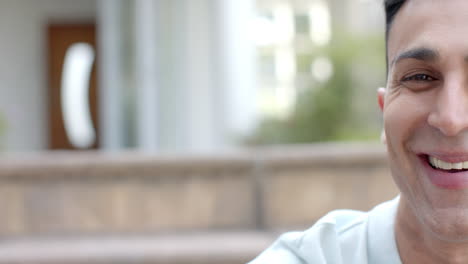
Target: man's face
426 113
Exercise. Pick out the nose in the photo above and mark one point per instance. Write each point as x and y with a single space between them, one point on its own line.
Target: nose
449 114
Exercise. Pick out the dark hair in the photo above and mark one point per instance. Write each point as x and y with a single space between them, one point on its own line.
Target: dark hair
391 9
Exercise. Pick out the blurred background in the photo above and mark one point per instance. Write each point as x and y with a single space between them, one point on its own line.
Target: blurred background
190 76
177 131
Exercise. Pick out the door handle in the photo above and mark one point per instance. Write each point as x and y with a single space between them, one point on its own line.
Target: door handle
76 113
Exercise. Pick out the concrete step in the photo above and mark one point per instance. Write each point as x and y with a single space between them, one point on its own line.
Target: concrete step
195 248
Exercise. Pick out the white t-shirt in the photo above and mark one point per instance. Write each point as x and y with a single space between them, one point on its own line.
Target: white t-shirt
340 237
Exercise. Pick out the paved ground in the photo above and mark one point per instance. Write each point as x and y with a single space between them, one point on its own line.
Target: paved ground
206 248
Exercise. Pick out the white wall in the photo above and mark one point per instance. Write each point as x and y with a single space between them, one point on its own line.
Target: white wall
23 65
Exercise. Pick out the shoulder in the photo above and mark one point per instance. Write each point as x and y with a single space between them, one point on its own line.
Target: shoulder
322 243
340 237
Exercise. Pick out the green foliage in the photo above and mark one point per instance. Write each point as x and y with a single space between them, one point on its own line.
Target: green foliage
324 111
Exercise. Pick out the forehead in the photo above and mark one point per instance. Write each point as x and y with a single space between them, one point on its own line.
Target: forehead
441 25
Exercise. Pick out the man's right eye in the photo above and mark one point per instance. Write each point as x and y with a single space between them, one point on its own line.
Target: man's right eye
418 77
418 82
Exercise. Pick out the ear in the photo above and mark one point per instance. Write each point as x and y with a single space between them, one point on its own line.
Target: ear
381 97
380 100
383 137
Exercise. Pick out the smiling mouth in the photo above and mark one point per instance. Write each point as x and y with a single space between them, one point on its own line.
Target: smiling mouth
444 174
452 167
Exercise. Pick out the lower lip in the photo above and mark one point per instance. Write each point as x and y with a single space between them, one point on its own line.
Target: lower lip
444 179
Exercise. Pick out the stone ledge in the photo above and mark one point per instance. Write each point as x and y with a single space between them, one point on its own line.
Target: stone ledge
102 164
322 155
98 164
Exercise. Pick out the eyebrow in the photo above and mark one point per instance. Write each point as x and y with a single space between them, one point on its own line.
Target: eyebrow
424 54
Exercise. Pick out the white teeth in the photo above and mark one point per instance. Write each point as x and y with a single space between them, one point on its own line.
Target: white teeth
433 162
447 165
457 166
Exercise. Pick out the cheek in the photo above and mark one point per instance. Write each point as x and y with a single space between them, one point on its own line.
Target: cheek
397 119
403 115
402 120
405 124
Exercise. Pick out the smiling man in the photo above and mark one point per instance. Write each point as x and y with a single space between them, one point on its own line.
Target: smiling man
425 110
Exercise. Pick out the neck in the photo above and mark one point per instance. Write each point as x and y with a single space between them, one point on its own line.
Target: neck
417 244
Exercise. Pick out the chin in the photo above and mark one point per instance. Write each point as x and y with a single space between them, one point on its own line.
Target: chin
450 225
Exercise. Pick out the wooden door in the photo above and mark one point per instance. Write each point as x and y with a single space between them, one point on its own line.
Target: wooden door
60 39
